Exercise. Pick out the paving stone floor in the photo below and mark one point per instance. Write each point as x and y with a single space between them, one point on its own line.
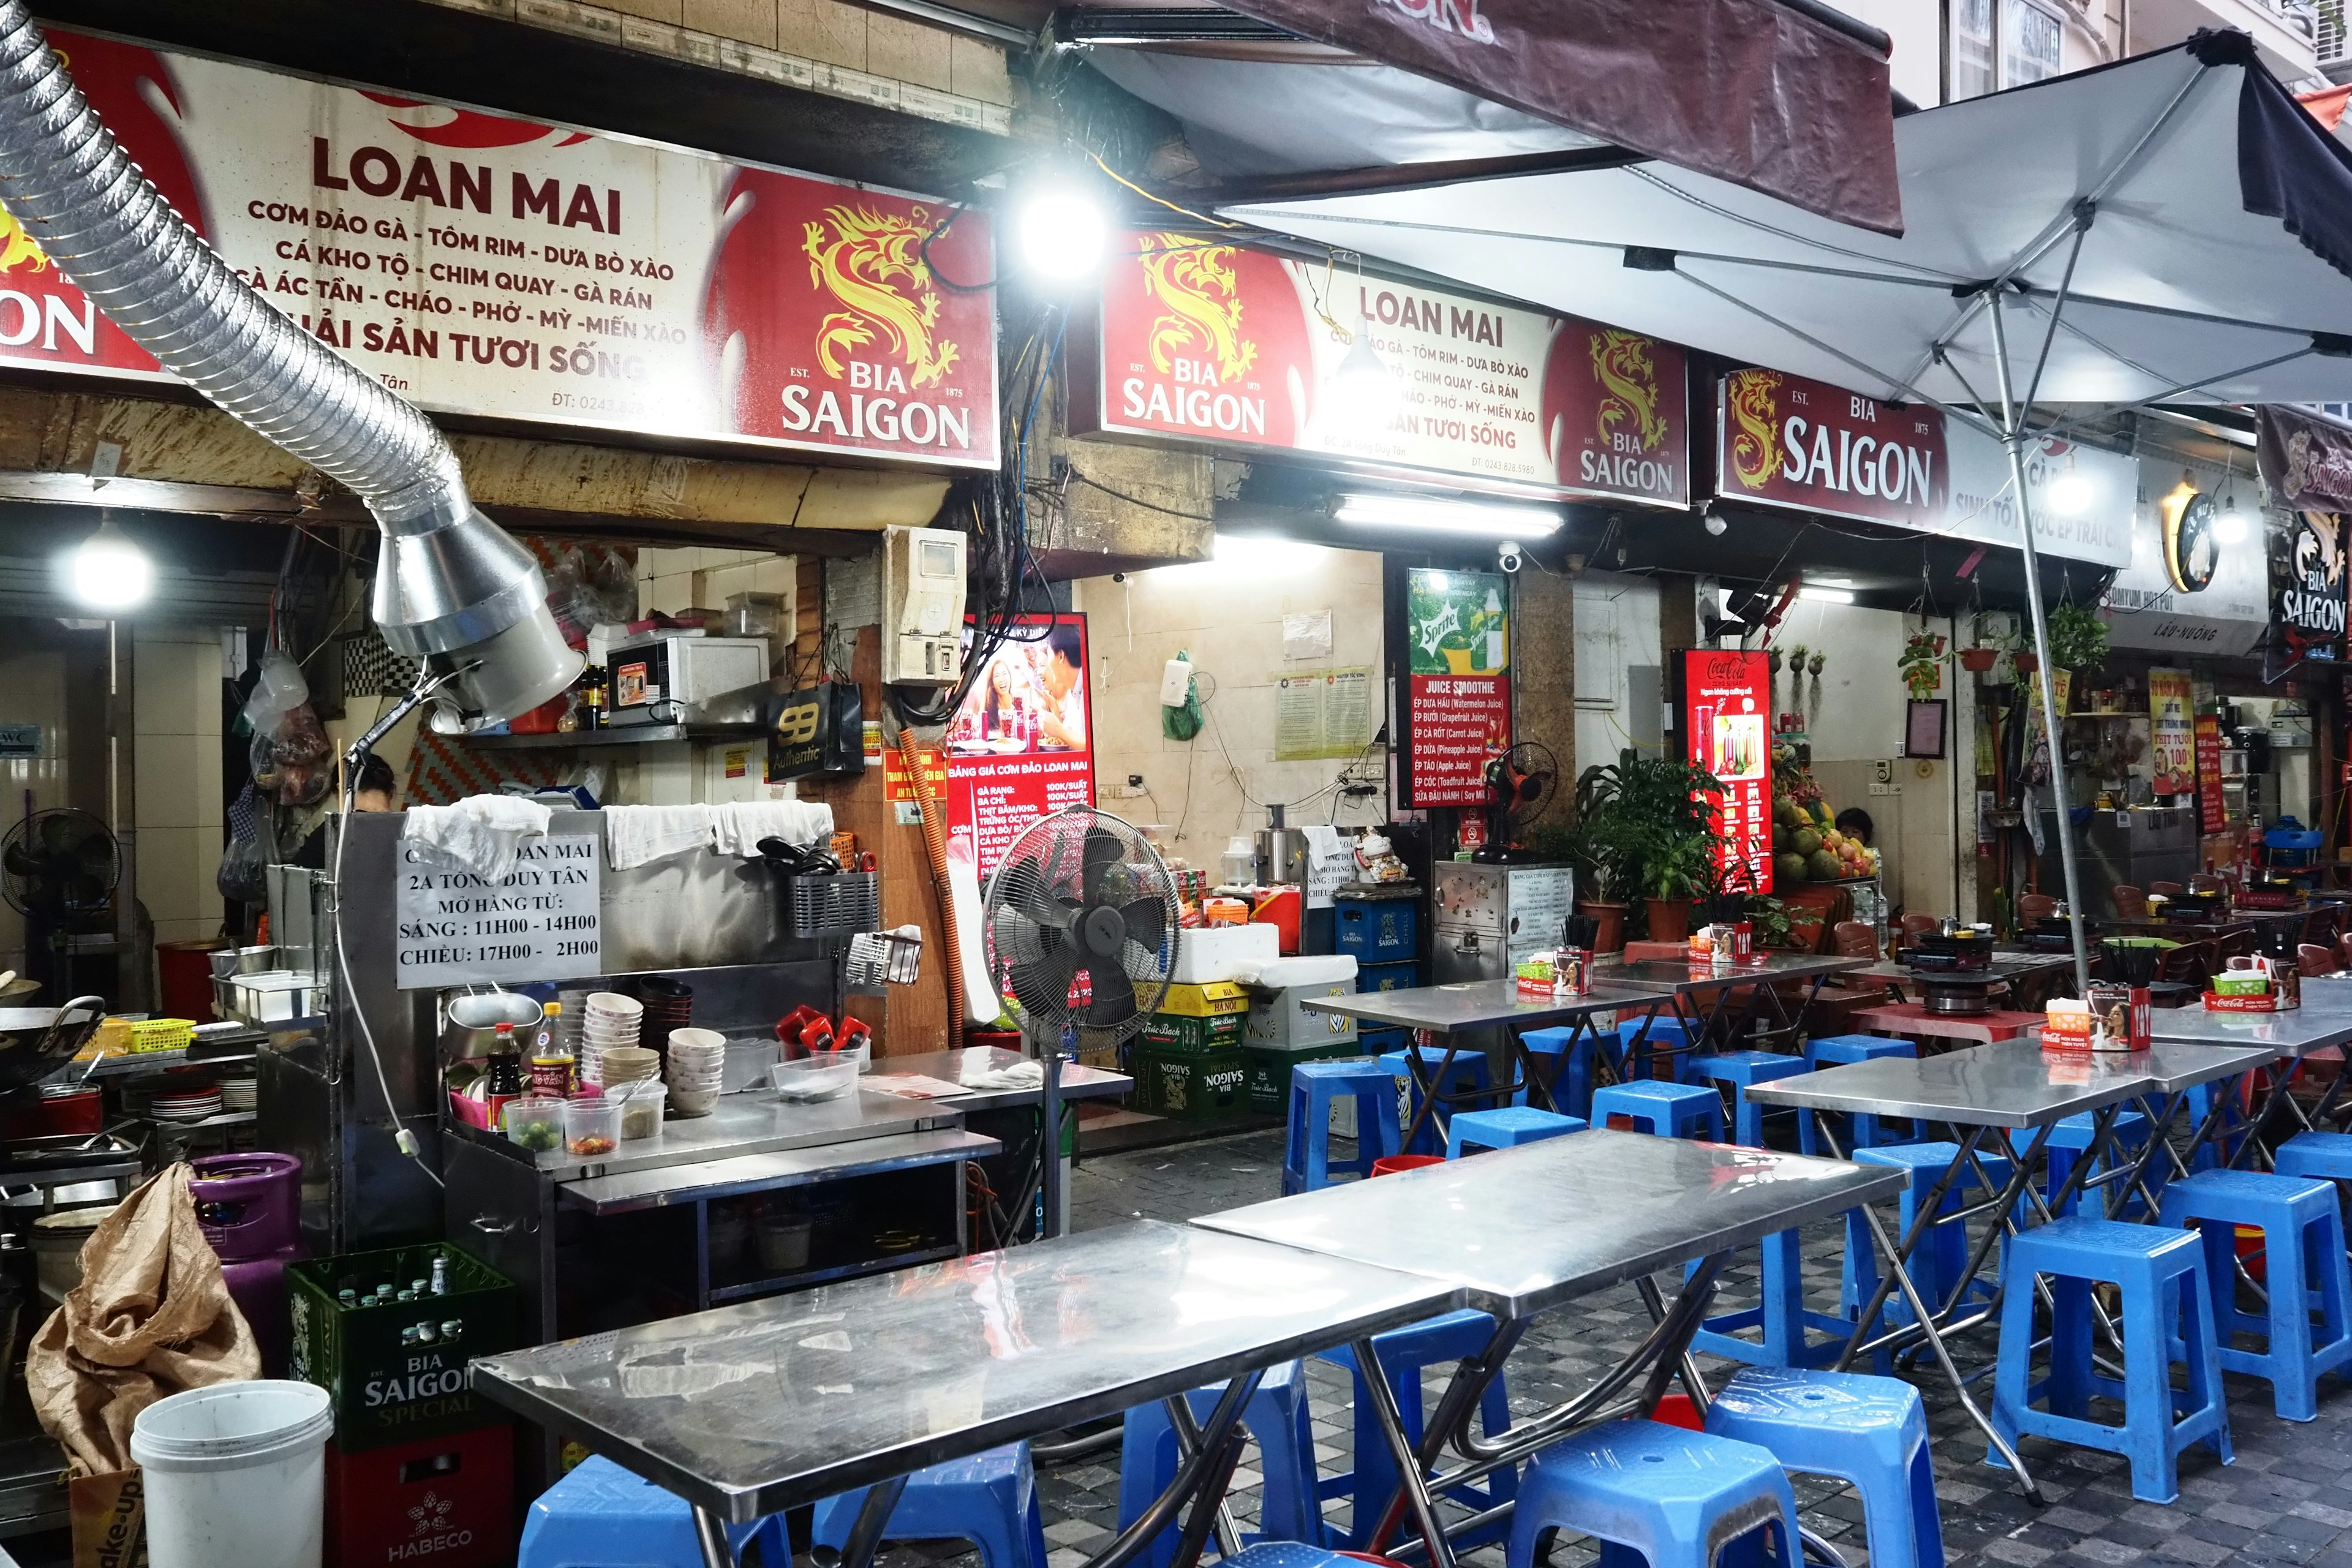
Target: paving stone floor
2288 1497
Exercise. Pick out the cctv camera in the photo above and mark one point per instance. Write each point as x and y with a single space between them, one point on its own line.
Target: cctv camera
1507 556
1716 521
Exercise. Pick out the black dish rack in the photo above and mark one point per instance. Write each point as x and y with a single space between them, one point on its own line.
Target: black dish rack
846 900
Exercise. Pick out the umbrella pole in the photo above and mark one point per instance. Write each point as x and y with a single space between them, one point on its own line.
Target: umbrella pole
2012 434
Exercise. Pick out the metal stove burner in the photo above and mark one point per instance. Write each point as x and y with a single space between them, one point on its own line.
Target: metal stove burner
1952 997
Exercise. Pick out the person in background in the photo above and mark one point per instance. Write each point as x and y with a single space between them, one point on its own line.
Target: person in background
1856 824
1064 722
377 788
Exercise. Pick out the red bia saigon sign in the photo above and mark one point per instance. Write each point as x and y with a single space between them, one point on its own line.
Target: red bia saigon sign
494 267
1228 345
1782 441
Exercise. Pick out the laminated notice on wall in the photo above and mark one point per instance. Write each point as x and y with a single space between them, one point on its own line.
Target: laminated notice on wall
1322 713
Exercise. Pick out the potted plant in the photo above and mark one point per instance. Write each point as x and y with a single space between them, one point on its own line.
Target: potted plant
1921 664
2078 639
1797 659
1978 659
1644 830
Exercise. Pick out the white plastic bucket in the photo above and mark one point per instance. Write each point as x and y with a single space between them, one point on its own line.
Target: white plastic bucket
236 1474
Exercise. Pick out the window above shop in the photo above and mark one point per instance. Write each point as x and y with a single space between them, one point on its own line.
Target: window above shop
1997 43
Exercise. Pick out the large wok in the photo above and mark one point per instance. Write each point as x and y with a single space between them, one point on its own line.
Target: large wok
36 1041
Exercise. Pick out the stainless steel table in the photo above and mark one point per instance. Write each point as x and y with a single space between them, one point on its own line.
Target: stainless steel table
752 1409
1519 1231
2173 1067
1079 1081
2324 1019
1757 979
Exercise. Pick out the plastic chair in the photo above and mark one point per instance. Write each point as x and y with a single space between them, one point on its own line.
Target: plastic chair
1572 1078
2167 1302
1673 1497
1917 926
1467 1077
1743 1071
2070 1137
2304 1269
1869 1431
1505 1127
2314 958
1403 1353
1941 1254
1855 939
1315 1087
601 1516
2042 906
1843 1051
1668 1109
2165 889
989 1500
2131 903
1276 1416
1666 1039
2321 1156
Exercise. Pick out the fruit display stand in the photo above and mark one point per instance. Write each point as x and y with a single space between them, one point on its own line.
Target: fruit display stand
1812 861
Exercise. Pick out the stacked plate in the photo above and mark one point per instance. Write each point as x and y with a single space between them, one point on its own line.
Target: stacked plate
611 1021
698 1066
185 1104
572 1023
240 1093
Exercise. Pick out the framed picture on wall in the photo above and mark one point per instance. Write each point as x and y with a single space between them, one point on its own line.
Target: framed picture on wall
1923 727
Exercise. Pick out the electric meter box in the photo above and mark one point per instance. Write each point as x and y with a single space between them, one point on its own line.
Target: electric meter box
922 607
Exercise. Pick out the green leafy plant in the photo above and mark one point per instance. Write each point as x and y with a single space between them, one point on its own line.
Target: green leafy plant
2078 639
1769 916
1643 827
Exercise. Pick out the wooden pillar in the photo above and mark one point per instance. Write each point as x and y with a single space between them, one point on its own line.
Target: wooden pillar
1543 665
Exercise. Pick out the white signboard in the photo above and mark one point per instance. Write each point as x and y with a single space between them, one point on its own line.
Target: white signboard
2082 496
542 922
2148 608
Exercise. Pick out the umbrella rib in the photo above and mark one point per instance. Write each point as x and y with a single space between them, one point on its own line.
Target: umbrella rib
1716 209
2107 410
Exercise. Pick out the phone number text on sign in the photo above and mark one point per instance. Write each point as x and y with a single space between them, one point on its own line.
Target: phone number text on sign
542 922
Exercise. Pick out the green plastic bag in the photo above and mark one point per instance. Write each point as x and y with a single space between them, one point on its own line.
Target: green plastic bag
1181 720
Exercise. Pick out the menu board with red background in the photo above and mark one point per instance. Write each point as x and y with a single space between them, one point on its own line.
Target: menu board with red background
1727 699
1228 345
1457 715
1783 440
2211 812
492 267
1022 745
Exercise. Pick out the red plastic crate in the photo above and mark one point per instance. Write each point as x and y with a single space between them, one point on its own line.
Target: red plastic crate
444 1502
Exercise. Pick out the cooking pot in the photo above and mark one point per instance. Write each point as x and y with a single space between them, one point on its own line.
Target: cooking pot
469 1023
36 1041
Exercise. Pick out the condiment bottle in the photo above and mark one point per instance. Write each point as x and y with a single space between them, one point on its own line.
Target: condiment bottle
506 1063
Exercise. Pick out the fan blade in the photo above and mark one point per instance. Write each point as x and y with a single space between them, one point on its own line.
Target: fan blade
1103 851
1024 888
1147 921
1114 1002
1042 988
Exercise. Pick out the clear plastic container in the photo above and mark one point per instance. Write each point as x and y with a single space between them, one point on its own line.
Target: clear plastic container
534 1122
591 1127
641 1108
815 1078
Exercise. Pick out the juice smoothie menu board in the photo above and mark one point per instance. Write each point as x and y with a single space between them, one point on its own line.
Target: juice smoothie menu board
1458 697
1726 695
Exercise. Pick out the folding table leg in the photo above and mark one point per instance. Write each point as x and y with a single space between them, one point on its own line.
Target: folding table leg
1414 1481
1201 1479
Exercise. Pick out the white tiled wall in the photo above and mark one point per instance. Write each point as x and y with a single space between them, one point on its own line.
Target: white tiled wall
177 809
31 691
669 581
674 580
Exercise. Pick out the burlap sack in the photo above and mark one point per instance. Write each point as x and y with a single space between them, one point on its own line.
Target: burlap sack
152 1317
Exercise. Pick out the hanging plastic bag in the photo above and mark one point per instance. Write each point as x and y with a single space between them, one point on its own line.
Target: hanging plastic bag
278 688
1181 720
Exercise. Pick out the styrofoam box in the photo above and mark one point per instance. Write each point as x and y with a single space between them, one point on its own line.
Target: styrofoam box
1204 954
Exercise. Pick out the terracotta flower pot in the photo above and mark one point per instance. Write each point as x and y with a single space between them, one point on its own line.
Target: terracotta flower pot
1979 659
1669 919
1610 920
2027 663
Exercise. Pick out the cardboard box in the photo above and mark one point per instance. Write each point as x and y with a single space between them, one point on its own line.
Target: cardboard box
1190 1088
1277 1017
1209 999
1178 1033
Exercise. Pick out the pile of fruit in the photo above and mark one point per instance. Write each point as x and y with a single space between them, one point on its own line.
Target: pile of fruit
1808 847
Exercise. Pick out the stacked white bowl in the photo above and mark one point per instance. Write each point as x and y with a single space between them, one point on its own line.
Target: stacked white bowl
697 1063
613 1021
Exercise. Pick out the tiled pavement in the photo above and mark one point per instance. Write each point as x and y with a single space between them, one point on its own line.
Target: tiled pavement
2288 1499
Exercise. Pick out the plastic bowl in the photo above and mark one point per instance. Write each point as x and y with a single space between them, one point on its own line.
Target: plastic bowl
813 1077
534 1122
591 1127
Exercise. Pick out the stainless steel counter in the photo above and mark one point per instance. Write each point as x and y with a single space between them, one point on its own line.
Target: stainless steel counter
1079 1080
755 1122
752 1409
1480 1003
2173 1066
2322 1021
1524 1229
2014 1084
1681 978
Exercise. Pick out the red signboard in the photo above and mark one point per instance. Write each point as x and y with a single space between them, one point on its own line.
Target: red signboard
1023 744
1782 441
504 269
1224 344
1726 698
2210 811
1457 714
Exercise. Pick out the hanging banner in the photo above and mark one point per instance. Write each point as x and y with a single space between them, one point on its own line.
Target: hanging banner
1022 745
501 269
2211 813
1726 696
1228 345
2306 591
1458 704
2305 460
2171 745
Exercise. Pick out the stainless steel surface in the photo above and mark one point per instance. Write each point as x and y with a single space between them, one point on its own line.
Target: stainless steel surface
2013 1084
659 1185
1479 1003
470 1020
2319 1023
1079 1080
1680 978
753 1409
758 1122
1527 1229
2002 966
2173 1066
2134 848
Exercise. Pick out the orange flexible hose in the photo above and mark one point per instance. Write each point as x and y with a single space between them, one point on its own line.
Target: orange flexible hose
935 844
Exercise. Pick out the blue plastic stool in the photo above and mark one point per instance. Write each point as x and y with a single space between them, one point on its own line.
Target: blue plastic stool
601 1516
1315 1086
1403 1353
989 1500
1572 1080
1506 1128
1467 1076
2304 1267
1276 1416
1942 1253
2214 1154
1663 1034
2322 1156
2073 1136
1654 1494
1869 1431
1743 1071
1668 1109
2167 1301
1843 1050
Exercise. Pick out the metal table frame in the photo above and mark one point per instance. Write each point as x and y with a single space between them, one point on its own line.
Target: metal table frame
2322 1021
1758 980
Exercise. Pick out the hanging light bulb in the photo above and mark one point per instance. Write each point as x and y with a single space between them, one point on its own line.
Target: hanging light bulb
110 573
2229 524
2071 493
1062 232
1361 391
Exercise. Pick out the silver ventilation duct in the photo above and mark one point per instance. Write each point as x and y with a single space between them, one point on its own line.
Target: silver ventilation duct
451 588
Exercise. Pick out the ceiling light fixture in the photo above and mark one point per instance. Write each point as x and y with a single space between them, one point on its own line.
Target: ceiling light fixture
1822 593
110 573
1486 520
2071 493
1062 232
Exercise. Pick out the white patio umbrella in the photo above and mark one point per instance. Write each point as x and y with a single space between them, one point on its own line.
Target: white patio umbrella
2172 228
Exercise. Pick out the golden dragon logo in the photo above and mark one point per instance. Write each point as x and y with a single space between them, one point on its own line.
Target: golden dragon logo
16 247
1756 448
1628 386
1203 306
861 257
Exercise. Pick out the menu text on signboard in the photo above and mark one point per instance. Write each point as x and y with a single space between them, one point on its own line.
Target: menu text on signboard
1022 745
1458 697
542 921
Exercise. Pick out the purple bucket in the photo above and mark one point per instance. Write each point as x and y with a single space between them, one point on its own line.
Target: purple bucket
250 1205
